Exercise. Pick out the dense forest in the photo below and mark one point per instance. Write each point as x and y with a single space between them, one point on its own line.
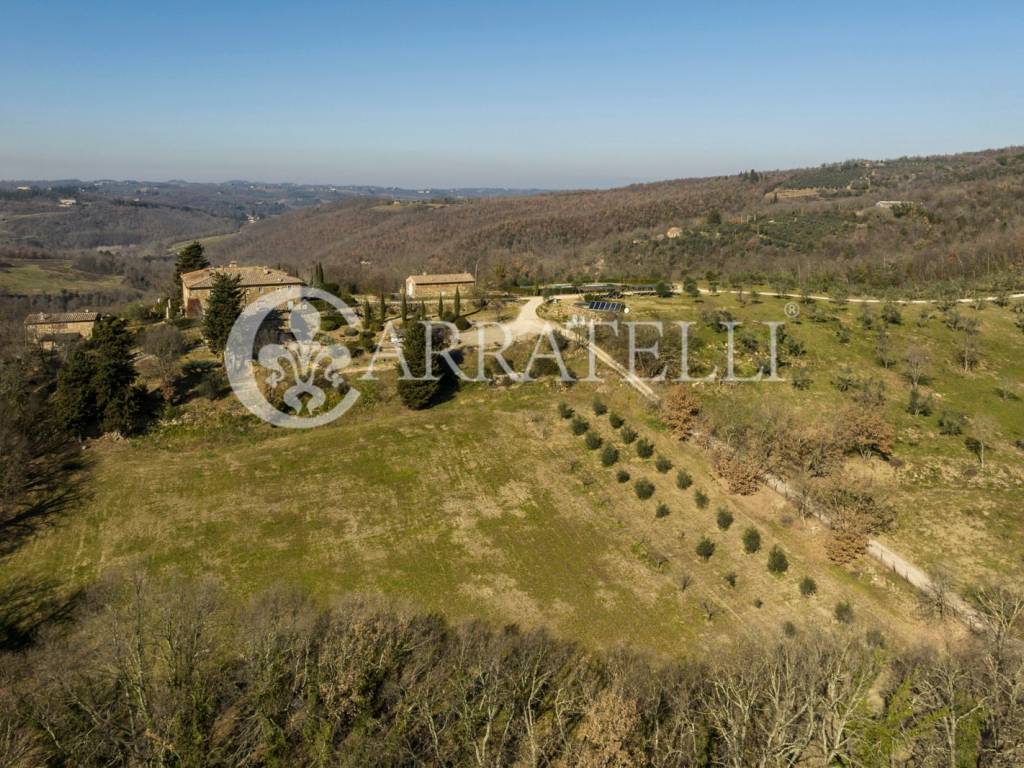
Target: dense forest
952 221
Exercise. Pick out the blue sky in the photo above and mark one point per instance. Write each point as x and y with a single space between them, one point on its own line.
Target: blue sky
519 94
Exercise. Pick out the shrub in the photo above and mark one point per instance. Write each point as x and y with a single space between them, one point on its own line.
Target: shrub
919 404
622 476
789 629
579 425
705 549
565 411
615 420
778 563
600 409
951 423
801 380
544 366
679 410
808 586
844 612
661 511
644 489
213 384
683 480
644 449
758 602
743 471
891 314
628 435
730 579
662 464
593 441
875 638
724 519
751 540
701 499
609 455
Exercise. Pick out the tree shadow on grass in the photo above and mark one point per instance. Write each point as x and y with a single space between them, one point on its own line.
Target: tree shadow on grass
54 489
27 606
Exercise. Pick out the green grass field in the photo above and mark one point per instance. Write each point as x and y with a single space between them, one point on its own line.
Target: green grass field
483 506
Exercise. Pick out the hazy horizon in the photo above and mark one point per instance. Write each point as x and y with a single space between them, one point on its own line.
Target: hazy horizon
530 96
345 184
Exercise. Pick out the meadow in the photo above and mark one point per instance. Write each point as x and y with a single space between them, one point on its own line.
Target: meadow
38 276
484 506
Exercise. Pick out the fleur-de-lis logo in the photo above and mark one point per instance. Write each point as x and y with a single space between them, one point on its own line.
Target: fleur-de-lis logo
300 363
306 358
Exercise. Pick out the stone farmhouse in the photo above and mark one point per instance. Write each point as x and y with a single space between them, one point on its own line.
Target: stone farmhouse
425 286
52 330
254 282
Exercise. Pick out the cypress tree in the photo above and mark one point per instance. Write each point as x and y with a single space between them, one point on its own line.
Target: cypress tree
318 276
440 306
405 307
383 309
367 314
457 306
416 394
190 258
222 311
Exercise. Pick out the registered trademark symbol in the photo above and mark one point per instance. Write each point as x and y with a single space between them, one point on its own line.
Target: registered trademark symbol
792 310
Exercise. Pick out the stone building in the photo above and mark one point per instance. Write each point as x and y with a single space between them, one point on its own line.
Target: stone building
254 282
424 286
55 329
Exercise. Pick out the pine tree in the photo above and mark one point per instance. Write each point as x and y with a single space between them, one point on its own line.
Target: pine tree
74 401
117 399
222 311
416 394
190 258
96 386
457 306
115 372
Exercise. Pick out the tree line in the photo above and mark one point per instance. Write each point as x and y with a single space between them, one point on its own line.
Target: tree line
174 675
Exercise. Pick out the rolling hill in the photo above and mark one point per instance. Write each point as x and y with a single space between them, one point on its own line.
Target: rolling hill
904 224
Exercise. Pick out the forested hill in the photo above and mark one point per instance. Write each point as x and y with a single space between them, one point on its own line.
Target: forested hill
912 223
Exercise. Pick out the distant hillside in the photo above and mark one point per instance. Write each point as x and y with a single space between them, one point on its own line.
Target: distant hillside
152 215
948 219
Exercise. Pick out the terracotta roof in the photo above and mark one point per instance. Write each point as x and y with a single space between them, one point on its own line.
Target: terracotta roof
40 318
460 277
250 276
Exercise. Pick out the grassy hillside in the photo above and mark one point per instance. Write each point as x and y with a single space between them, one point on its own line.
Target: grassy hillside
960 223
955 516
50 276
484 506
